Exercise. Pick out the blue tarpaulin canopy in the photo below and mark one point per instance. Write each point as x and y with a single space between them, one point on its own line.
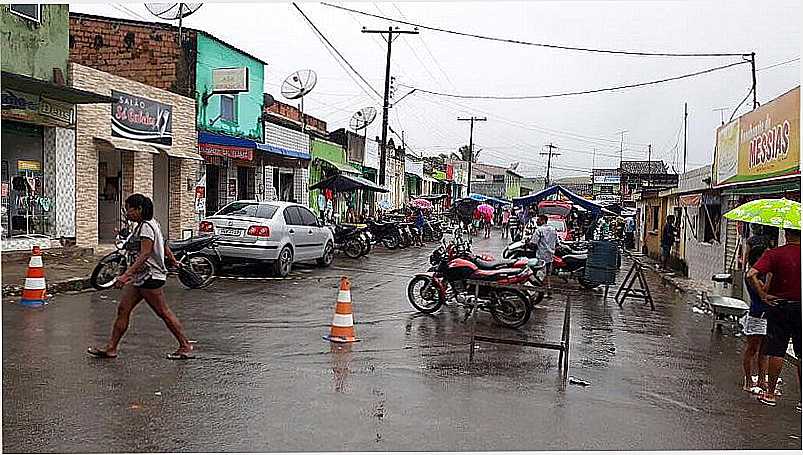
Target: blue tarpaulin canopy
535 198
488 199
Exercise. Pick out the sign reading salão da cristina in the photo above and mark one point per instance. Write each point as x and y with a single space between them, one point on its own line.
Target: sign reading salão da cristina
141 119
762 144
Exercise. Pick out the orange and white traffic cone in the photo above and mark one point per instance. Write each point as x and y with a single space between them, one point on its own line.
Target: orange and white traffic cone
343 323
33 294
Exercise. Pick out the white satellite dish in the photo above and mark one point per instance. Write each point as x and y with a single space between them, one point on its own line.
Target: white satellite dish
297 86
362 118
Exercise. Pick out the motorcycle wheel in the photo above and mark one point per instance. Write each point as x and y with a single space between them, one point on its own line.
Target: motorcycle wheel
105 274
353 248
587 284
405 240
423 294
510 308
203 267
391 242
366 246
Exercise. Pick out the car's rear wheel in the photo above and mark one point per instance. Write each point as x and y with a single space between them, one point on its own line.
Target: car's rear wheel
284 263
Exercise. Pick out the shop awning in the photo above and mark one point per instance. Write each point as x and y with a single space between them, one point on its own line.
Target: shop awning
340 166
179 153
126 144
49 90
766 188
205 137
276 150
343 183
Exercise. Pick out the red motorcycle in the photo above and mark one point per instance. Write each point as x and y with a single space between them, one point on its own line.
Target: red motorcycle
453 265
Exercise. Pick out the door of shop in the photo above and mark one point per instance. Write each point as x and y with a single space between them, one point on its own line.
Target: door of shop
246 182
161 191
110 193
212 186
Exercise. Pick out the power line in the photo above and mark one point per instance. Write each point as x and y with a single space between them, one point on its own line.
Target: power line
322 36
527 43
426 48
779 64
584 92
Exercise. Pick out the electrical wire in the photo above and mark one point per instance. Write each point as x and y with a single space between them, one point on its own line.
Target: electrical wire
779 64
329 43
583 92
426 47
545 45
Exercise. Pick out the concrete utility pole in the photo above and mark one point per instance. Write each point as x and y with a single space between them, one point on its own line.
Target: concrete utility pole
685 118
649 165
385 105
550 153
621 147
471 119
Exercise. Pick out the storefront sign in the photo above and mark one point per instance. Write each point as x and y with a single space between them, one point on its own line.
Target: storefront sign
607 179
371 154
414 167
141 119
230 80
28 165
227 151
449 172
762 144
33 108
690 200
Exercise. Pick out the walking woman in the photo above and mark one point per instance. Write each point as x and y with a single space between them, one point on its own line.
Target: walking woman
144 280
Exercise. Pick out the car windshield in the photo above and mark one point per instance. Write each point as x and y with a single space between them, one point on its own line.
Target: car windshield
559 225
249 209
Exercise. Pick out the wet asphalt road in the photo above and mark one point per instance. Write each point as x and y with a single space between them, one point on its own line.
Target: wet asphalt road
264 380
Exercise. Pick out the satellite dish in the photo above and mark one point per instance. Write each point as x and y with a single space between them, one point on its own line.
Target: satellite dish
298 84
172 12
362 118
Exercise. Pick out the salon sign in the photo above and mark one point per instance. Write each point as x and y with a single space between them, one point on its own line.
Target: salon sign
141 119
761 145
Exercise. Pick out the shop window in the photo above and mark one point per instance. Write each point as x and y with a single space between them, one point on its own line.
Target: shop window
228 108
710 216
31 11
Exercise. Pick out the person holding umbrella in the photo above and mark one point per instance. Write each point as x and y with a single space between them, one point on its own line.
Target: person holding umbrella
782 295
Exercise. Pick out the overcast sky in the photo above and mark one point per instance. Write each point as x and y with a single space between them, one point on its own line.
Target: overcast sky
516 131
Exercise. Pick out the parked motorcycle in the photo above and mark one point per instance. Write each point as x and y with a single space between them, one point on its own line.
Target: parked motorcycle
191 253
567 262
385 232
348 239
453 265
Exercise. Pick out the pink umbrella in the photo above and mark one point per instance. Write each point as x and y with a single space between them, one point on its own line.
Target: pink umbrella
486 210
421 204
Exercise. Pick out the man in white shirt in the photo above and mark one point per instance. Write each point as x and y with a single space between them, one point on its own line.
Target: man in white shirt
544 240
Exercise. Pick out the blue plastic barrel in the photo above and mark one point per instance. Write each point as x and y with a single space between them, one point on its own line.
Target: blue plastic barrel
603 262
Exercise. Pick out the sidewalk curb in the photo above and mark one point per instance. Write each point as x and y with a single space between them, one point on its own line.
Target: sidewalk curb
69 285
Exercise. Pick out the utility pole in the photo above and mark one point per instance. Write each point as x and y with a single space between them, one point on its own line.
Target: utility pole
685 118
753 71
649 165
549 161
471 119
621 147
385 104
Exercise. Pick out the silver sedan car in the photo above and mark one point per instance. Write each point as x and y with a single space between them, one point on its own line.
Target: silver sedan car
278 232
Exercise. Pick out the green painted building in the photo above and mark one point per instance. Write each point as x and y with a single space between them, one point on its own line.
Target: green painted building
36 40
236 115
328 159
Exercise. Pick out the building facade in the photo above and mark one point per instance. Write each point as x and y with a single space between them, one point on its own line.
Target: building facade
634 176
145 143
38 127
605 185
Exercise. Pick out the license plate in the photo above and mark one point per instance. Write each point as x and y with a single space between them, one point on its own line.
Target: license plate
230 231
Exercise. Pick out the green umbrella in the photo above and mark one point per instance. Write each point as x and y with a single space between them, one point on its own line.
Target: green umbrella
781 213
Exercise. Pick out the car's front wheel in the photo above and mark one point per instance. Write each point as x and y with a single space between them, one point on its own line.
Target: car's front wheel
284 263
328 255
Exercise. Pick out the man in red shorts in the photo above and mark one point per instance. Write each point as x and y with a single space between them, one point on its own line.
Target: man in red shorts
783 298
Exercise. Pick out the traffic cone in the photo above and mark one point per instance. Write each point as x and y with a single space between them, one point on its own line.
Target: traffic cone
33 294
343 323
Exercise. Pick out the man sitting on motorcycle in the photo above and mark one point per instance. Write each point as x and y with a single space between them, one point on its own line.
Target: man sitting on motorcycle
544 240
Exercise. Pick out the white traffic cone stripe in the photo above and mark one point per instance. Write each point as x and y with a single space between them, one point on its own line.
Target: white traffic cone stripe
344 296
34 283
36 261
343 320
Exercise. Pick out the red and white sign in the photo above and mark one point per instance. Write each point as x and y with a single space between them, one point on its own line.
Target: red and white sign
228 151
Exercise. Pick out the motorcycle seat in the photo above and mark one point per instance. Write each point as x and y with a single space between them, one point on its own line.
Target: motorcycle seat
492 275
192 243
493 265
579 257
